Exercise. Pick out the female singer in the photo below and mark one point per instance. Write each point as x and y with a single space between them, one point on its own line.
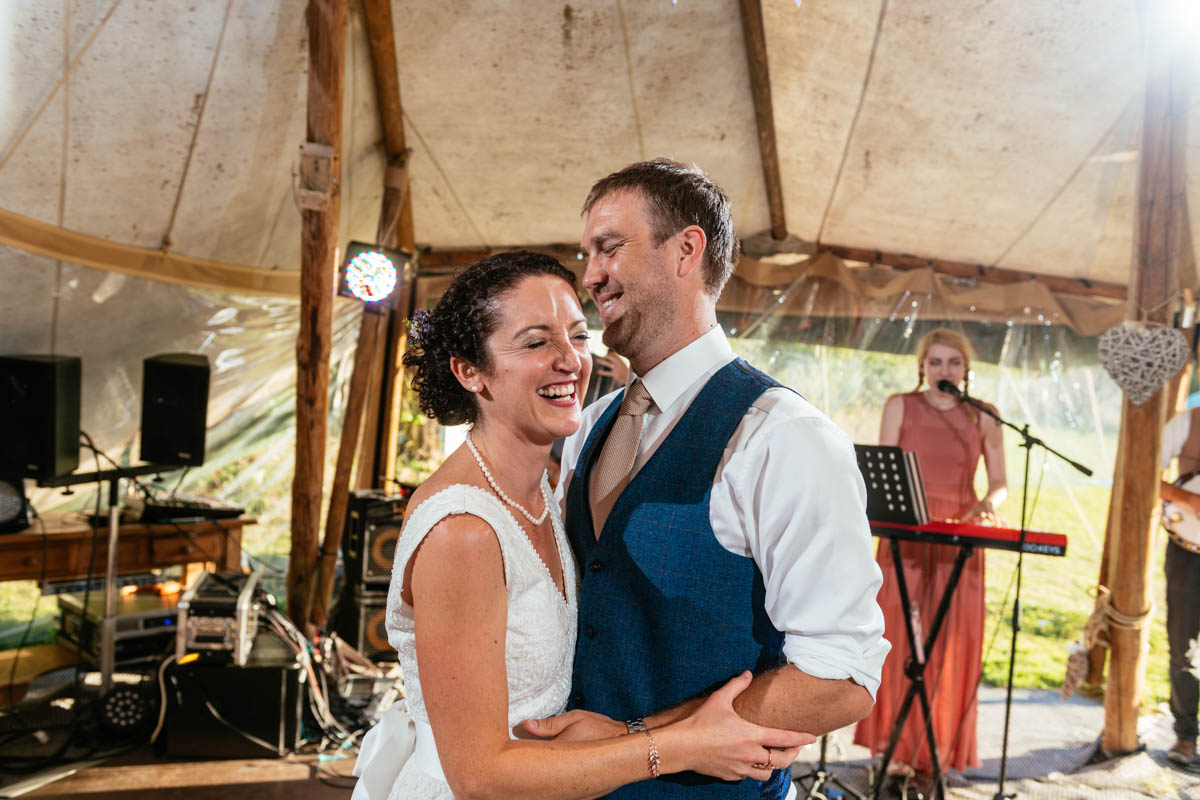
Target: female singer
948 436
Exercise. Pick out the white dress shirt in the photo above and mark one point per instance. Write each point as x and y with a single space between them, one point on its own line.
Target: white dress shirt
787 493
1175 436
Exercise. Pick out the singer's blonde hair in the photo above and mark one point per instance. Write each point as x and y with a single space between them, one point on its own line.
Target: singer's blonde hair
949 338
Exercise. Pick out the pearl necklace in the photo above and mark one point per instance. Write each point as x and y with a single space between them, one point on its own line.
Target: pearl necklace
500 492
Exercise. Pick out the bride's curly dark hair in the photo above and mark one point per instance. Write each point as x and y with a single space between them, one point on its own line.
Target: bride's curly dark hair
460 324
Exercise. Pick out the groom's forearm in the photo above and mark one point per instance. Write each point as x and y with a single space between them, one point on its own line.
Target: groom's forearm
791 699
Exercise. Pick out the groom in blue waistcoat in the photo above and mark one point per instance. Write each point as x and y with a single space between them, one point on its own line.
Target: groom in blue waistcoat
717 517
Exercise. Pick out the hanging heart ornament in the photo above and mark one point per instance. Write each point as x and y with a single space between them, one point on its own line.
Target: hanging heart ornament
1141 359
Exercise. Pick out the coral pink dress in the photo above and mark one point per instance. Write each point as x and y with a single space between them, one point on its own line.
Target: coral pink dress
948 444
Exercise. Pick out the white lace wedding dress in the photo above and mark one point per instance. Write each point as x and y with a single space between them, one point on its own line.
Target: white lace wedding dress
398 759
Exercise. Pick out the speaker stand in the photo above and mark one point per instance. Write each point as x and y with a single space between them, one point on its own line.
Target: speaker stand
113 478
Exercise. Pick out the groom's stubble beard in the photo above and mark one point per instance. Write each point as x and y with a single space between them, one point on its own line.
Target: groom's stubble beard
649 319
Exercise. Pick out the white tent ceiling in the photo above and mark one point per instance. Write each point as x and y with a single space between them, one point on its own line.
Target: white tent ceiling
999 132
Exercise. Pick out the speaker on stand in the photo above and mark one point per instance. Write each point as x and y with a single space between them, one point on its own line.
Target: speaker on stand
361 619
39 415
174 409
373 522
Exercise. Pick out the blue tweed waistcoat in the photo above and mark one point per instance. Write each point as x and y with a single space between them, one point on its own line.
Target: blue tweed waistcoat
665 612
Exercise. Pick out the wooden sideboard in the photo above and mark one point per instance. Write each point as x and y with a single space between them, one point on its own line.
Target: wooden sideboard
67 547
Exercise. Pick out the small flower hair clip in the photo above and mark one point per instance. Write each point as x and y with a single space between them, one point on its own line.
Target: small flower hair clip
420 326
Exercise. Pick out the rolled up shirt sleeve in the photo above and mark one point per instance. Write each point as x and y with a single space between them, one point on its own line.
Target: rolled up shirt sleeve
793 492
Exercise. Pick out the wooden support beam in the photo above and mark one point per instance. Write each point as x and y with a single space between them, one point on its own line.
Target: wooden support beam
382 37
339 495
393 388
1154 280
391 113
320 198
364 477
1099 653
373 320
764 111
961 269
569 254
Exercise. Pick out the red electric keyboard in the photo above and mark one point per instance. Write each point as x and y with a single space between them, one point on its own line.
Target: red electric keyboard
960 533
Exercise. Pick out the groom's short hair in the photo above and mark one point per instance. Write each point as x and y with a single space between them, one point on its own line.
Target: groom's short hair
678 195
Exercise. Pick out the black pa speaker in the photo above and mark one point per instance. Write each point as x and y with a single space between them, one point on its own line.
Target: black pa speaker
174 408
373 522
14 509
360 620
39 415
222 711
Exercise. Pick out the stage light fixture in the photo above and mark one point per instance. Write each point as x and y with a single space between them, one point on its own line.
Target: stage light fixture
371 274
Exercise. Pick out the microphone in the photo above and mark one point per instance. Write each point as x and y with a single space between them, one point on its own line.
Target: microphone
949 388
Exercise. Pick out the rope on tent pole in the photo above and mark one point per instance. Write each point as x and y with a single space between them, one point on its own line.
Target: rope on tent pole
1096 631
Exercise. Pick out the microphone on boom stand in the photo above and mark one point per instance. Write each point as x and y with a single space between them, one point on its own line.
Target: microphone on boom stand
949 388
1027 442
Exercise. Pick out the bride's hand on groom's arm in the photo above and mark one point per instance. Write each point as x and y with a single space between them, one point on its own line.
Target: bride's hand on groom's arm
704 735
725 745
574 726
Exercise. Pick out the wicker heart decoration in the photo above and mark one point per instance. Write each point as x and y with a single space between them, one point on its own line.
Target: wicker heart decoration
1142 359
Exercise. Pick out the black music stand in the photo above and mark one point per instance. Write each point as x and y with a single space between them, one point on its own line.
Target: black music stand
895 492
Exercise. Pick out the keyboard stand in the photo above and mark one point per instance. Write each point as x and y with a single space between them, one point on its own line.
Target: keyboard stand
915 668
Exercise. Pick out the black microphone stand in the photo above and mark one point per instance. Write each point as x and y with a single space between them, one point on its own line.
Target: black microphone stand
1028 442
109 621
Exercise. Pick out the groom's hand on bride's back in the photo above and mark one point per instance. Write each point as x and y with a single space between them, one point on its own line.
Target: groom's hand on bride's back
572 726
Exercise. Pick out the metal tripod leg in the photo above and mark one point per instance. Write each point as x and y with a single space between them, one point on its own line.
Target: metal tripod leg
821 775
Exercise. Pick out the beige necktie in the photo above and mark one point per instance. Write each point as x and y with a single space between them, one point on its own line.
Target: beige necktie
620 451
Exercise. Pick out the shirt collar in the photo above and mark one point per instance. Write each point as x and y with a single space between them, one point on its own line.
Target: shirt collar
671 378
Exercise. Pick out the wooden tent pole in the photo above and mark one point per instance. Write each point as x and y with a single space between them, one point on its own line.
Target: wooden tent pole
1176 401
339 493
319 197
364 476
394 215
391 112
764 111
1099 653
1152 286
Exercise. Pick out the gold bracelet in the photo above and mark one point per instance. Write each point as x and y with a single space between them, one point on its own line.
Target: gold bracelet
653 762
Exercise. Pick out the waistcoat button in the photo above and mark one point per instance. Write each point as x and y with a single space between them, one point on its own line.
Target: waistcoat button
589 631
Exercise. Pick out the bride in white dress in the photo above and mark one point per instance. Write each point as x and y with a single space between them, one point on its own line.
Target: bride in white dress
482 605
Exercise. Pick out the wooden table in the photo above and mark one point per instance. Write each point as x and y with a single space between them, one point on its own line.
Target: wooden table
68 547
